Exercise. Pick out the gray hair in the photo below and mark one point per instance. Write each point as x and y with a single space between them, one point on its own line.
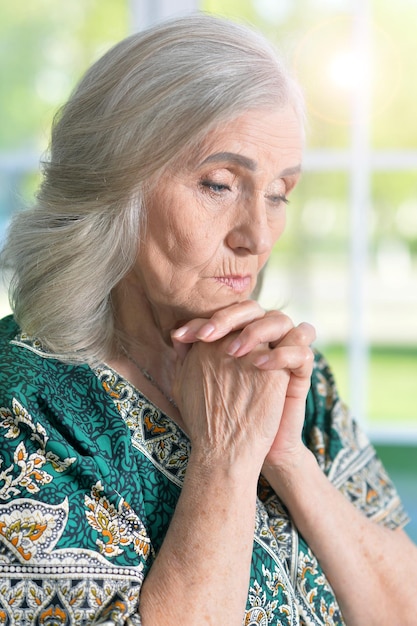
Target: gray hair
151 98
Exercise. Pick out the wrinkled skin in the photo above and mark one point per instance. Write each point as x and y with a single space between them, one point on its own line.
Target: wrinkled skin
243 400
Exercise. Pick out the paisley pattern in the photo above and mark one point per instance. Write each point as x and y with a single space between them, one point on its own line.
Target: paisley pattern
90 473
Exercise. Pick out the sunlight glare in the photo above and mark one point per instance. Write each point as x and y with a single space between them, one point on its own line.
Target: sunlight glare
345 70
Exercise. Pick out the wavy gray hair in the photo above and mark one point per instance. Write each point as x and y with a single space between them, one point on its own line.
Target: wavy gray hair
151 98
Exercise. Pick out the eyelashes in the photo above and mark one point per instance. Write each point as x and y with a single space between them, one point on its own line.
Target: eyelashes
277 199
216 188
219 189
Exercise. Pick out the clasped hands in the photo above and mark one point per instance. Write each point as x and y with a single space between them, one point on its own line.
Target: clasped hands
241 383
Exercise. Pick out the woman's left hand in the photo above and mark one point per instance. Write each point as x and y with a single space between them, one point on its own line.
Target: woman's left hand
282 346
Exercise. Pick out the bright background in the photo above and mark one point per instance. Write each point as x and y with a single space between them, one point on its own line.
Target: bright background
348 260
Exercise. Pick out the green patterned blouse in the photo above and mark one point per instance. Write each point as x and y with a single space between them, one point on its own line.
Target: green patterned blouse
90 473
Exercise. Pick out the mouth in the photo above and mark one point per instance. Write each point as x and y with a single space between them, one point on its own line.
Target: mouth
238 284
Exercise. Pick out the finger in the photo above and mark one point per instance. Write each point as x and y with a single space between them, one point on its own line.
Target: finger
295 345
220 324
181 349
302 335
271 329
296 359
188 332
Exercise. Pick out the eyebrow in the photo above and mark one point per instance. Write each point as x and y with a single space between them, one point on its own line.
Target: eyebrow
232 157
246 162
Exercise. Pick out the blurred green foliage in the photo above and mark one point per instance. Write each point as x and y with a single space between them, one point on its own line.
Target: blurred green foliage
44 47
392 395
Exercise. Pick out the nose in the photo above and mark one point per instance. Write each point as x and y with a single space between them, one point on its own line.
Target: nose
253 231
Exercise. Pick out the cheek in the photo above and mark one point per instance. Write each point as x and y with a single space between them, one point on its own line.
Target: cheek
195 234
278 225
283 224
186 249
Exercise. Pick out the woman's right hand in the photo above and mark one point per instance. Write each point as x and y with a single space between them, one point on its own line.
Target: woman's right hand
230 407
227 404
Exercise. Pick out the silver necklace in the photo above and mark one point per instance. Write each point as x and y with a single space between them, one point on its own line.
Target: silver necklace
149 377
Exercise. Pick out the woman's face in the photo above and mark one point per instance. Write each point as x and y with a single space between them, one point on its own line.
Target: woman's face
212 223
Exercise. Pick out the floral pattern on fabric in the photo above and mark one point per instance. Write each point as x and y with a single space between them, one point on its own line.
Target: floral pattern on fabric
30 475
262 611
154 434
117 527
41 584
90 474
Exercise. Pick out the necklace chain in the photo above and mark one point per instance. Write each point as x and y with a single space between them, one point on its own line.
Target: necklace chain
149 377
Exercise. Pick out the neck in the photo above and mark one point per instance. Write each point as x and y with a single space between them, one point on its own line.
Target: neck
145 346
140 321
143 337
150 378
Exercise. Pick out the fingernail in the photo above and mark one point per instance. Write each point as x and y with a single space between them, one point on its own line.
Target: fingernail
261 360
205 331
234 347
180 332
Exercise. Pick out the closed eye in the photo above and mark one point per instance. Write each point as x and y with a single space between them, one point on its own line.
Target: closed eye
277 199
215 187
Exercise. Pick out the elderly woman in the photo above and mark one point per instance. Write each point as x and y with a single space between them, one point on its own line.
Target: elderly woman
171 453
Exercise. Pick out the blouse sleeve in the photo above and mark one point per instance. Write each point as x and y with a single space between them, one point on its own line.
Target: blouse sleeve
345 454
74 546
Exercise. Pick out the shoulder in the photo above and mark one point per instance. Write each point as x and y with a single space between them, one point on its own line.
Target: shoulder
42 397
36 378
18 350
23 356
18 366
8 329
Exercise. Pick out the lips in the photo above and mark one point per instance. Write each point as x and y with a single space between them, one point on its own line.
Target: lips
239 284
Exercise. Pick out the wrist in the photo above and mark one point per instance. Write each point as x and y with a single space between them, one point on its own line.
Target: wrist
288 474
233 471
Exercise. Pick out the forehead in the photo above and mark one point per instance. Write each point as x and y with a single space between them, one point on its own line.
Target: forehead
254 135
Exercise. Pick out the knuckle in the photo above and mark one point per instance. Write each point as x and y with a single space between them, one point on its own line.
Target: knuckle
251 331
308 355
253 304
232 316
282 318
221 316
251 308
302 336
304 333
308 329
